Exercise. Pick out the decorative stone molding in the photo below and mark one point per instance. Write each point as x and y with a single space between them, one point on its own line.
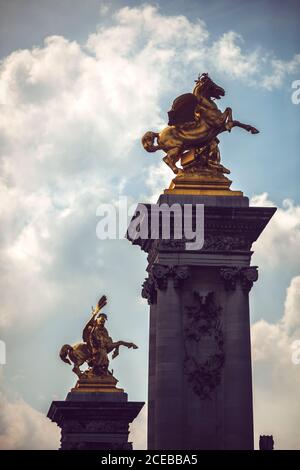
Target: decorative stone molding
246 275
149 290
212 243
202 320
158 279
95 426
226 243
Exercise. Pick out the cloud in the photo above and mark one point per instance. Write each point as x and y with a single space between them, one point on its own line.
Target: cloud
70 123
258 67
158 179
138 430
230 58
276 378
23 427
291 319
281 238
280 70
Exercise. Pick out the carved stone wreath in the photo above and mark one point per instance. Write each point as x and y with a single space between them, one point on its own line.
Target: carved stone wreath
202 320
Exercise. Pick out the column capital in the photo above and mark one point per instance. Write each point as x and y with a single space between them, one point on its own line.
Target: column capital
245 275
158 278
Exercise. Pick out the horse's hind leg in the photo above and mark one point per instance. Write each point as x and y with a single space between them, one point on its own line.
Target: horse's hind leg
171 158
76 368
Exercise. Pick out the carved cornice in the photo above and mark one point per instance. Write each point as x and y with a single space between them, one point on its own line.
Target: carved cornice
158 278
202 320
245 275
225 229
212 243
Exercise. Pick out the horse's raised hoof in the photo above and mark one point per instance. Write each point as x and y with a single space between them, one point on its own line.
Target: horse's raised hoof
253 130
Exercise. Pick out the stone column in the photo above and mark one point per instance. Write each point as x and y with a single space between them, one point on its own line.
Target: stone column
200 384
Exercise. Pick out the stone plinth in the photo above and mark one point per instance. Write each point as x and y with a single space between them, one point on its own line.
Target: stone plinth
200 384
94 420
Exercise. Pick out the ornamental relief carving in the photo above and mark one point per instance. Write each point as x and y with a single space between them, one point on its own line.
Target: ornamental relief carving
212 243
204 345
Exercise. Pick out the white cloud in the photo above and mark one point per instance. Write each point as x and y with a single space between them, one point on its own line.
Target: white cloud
280 69
291 319
276 378
158 178
23 427
104 8
230 58
281 238
138 430
71 116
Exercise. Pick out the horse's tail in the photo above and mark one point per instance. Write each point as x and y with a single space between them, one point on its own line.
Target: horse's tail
63 353
148 140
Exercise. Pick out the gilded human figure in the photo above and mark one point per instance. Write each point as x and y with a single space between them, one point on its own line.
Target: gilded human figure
96 345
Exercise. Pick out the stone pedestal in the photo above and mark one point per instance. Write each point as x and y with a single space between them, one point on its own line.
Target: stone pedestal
93 420
200 385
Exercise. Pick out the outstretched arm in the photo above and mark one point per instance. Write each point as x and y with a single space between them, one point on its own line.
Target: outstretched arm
88 326
101 303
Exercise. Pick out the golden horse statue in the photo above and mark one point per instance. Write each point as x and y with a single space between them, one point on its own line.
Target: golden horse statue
96 346
194 122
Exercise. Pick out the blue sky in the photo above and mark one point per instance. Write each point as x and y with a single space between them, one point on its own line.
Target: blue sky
73 109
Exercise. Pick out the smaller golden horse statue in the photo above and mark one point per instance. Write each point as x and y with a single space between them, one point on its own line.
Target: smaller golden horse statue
96 346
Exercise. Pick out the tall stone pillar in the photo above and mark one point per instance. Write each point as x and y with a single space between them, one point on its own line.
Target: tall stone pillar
200 384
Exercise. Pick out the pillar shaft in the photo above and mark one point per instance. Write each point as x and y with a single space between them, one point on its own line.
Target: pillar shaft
200 383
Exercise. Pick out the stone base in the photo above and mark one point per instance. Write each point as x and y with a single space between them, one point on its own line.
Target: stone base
201 176
204 183
93 383
94 421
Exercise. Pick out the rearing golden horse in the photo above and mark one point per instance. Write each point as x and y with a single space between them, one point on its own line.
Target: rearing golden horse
194 121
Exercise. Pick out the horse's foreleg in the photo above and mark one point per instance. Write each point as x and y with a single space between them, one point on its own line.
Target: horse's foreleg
126 344
116 346
228 121
116 352
228 114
